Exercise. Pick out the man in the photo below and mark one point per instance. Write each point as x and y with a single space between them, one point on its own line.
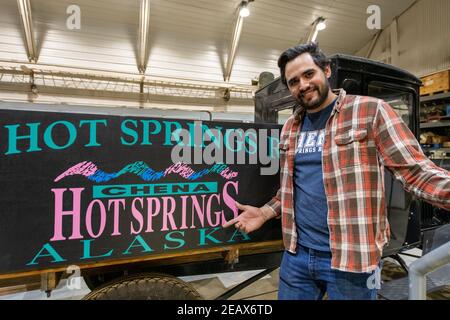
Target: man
333 151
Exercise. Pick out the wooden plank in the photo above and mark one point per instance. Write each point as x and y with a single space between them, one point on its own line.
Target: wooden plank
19 288
168 258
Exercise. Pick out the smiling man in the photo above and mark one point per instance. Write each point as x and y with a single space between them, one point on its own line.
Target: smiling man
333 151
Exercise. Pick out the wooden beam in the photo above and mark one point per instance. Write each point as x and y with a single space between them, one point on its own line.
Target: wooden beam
168 258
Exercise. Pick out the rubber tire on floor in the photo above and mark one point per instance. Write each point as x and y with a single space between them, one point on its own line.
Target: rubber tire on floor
145 287
94 281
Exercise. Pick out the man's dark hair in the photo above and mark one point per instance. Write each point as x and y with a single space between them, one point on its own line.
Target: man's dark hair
320 59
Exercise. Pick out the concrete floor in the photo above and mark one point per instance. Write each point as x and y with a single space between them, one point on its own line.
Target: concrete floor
209 286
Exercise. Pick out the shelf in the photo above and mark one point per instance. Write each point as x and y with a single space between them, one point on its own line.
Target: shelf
436 124
443 163
440 149
445 95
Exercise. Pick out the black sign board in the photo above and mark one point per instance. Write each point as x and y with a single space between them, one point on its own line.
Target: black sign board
82 188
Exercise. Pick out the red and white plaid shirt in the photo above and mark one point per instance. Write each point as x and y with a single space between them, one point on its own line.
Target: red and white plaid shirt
362 136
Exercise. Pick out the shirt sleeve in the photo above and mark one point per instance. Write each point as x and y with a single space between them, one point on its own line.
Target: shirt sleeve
275 204
401 153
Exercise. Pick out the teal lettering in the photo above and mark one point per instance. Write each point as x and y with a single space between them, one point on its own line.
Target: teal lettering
13 137
180 242
169 130
230 136
108 191
251 142
93 131
204 236
146 131
192 127
51 253
87 251
240 234
212 137
133 190
201 187
48 138
129 132
273 147
142 244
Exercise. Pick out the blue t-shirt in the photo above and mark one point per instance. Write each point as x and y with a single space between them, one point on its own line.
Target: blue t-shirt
310 201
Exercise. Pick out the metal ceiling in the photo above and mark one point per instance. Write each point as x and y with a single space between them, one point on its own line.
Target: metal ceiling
186 39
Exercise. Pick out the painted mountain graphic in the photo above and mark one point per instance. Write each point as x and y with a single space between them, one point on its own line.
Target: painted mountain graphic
90 170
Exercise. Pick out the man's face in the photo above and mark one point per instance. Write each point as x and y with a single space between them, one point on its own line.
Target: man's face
307 82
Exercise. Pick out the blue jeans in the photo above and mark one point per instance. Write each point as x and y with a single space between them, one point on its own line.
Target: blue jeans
307 275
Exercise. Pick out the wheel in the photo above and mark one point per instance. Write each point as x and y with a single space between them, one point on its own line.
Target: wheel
99 280
150 286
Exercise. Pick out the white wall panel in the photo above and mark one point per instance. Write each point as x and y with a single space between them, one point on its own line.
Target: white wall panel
423 38
430 51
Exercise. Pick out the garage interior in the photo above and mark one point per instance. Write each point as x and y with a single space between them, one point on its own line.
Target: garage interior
200 59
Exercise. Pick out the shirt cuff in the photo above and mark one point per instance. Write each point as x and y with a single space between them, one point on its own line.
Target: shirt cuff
271 209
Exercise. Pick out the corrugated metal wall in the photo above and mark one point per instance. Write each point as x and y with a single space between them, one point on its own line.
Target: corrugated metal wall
105 40
189 39
11 40
423 39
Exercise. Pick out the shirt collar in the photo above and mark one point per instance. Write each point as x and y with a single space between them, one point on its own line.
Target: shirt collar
300 111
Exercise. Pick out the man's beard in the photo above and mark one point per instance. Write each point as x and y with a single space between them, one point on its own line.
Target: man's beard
315 103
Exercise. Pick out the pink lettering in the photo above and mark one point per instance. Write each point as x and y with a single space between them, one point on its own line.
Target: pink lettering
229 201
183 212
117 203
59 213
137 215
197 210
217 214
152 212
89 218
168 214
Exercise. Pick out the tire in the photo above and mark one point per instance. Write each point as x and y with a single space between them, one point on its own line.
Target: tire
150 286
99 280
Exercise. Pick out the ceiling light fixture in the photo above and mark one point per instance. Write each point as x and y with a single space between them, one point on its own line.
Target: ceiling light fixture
143 40
321 25
27 25
240 12
318 25
243 11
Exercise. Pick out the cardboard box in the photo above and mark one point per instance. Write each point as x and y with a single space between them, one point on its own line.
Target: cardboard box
436 82
439 139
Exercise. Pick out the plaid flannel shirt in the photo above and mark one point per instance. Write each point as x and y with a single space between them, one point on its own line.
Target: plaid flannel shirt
362 136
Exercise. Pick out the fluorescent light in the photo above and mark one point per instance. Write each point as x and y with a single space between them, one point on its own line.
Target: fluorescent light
243 11
321 25
144 22
317 25
314 37
27 24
